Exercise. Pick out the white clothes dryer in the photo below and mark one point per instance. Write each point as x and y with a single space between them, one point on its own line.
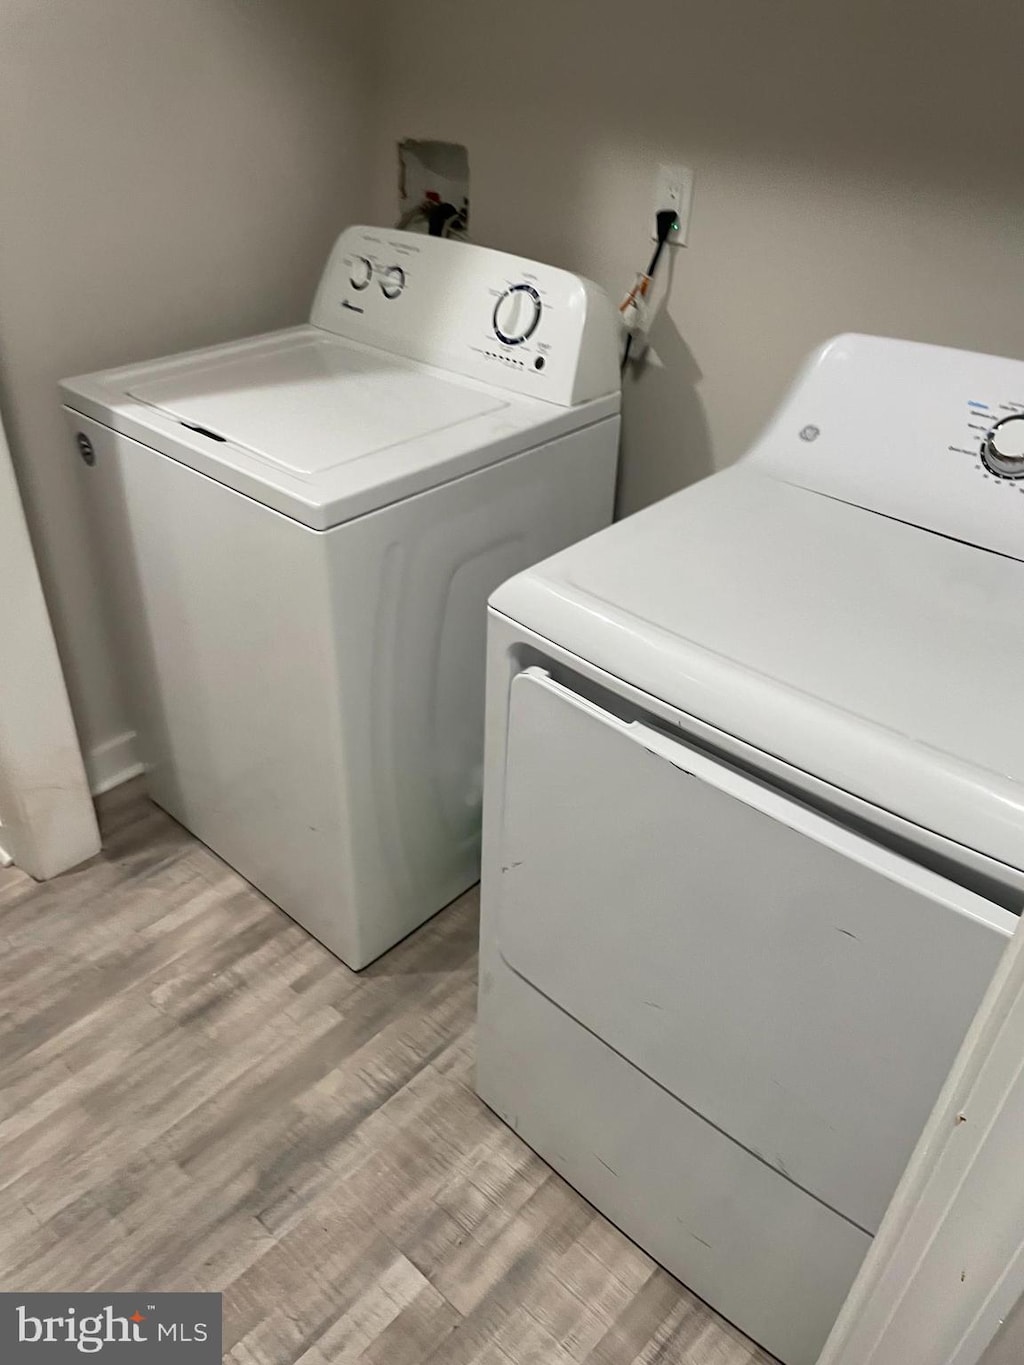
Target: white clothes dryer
754 827
301 531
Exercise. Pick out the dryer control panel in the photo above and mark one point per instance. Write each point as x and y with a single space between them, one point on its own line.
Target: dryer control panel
926 434
514 323
1002 447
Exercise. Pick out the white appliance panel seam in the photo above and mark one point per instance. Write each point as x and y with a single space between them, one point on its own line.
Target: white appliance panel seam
946 839
901 521
677 1099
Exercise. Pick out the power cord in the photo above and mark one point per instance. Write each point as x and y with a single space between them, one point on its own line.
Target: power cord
634 306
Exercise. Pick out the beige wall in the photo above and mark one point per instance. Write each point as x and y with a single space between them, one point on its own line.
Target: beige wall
859 166
172 172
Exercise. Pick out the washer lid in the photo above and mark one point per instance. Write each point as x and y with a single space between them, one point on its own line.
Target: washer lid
880 657
319 427
311 404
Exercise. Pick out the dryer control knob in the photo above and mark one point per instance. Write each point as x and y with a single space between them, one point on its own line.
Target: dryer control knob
362 273
516 314
1003 448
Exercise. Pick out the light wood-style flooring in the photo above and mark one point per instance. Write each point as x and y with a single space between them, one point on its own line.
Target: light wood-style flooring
194 1094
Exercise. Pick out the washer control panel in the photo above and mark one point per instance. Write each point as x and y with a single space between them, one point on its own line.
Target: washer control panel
364 270
514 323
929 435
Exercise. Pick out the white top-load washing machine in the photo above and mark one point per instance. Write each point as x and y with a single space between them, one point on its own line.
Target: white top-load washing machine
301 531
754 827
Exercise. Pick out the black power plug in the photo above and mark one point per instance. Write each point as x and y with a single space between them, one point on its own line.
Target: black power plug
665 222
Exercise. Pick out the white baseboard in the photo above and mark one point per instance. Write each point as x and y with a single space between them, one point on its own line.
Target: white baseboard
114 761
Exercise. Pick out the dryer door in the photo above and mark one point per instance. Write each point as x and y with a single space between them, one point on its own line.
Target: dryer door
801 988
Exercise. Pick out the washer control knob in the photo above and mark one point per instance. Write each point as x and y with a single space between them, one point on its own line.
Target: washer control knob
392 281
362 273
1003 448
516 314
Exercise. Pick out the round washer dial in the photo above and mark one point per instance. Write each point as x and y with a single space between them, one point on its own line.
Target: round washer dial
392 281
1003 448
361 274
516 314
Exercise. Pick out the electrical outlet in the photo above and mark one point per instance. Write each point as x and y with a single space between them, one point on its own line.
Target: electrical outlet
673 189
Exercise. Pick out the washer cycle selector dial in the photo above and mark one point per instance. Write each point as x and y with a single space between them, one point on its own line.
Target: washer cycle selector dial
361 274
1003 448
516 314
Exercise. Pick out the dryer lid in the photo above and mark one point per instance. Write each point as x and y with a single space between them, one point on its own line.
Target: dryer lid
312 404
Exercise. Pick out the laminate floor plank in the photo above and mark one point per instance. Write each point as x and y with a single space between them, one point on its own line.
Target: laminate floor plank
194 1094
